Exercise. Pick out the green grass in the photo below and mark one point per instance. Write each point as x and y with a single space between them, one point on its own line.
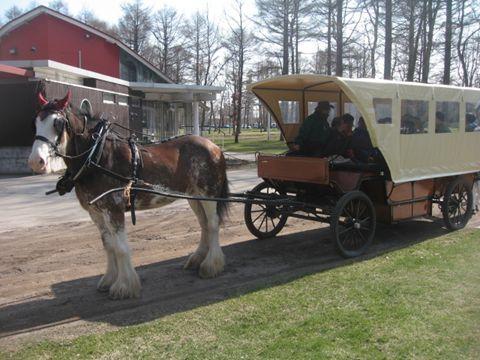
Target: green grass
419 302
250 141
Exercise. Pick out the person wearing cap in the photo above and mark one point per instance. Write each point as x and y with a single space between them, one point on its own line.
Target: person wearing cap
314 132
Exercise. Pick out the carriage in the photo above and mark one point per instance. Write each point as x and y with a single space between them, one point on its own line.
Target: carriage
423 159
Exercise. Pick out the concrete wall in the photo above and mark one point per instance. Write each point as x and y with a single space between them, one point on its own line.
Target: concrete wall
13 160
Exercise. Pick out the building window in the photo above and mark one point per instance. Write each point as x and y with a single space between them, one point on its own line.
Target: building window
414 117
383 110
108 98
122 100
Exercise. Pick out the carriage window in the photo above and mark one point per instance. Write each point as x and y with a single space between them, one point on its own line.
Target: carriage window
447 116
313 104
472 117
290 111
350 108
383 110
108 98
414 117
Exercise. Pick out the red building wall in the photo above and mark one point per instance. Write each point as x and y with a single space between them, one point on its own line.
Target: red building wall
58 40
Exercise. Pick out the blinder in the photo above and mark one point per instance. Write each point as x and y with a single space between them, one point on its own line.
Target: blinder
60 124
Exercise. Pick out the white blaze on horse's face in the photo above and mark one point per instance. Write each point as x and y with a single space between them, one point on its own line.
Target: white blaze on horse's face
42 160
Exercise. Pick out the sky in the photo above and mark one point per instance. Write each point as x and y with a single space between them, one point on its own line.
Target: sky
110 10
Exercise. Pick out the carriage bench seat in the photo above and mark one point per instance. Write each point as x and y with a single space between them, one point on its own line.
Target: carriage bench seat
293 168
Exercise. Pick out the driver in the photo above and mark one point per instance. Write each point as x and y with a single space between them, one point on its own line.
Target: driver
314 132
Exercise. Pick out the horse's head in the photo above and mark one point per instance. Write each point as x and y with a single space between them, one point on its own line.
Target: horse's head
51 126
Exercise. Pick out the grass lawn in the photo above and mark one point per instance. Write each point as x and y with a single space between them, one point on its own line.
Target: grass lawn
250 140
419 302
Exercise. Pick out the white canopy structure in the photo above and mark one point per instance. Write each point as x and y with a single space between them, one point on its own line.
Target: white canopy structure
420 129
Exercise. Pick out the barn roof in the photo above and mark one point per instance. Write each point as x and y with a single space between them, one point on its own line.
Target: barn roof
28 16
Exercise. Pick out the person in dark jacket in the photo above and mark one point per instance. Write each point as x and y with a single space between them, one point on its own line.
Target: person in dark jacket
314 132
361 143
340 137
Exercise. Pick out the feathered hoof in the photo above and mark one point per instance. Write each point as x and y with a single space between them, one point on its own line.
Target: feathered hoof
211 269
193 262
105 283
125 288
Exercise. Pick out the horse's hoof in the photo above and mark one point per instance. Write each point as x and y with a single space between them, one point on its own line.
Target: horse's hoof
125 289
193 262
212 269
103 289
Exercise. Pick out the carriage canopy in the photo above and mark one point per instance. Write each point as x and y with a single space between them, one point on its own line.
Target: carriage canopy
422 130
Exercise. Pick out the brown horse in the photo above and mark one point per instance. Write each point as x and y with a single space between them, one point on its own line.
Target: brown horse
190 164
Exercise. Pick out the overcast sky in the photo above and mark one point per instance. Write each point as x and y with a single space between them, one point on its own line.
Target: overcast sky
110 10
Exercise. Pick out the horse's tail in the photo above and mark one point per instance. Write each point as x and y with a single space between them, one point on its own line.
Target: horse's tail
223 206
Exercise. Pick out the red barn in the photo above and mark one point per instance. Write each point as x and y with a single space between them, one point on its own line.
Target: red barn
44 49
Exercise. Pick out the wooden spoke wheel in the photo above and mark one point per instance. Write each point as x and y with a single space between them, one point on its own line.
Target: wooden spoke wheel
262 220
457 204
353 223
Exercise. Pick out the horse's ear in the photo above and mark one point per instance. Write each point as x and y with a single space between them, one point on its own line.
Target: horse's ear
62 104
41 100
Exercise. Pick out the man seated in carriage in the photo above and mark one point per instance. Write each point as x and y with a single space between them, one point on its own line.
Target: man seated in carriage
340 136
361 143
314 132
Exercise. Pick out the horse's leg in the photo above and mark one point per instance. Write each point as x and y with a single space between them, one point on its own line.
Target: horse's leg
111 273
126 284
215 260
198 256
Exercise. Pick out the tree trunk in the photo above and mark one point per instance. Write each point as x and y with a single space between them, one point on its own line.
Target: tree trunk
339 58
285 38
329 39
387 69
447 60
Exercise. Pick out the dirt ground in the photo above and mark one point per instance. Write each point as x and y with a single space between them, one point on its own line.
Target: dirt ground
48 273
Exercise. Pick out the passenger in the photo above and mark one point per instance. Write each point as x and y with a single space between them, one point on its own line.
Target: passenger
340 137
440 123
470 122
361 144
313 134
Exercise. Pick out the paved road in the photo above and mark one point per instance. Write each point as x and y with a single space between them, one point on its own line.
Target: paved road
26 205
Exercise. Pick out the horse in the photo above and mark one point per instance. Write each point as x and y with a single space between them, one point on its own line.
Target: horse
189 164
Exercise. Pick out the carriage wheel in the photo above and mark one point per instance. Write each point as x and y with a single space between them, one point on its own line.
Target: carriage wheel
265 221
353 223
457 204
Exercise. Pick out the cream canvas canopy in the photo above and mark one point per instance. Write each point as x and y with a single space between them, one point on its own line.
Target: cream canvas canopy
421 153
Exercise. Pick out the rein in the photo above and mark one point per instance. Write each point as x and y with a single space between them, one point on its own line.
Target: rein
94 153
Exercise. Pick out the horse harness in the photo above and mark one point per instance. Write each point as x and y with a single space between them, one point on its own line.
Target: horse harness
67 181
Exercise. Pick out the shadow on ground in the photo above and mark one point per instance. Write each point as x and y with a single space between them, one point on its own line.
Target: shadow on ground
168 289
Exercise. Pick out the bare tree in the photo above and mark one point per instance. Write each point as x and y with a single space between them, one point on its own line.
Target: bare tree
13 12
86 16
60 6
238 44
167 31
134 26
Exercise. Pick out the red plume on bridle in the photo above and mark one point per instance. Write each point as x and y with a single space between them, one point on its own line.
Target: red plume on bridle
41 100
57 104
62 104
